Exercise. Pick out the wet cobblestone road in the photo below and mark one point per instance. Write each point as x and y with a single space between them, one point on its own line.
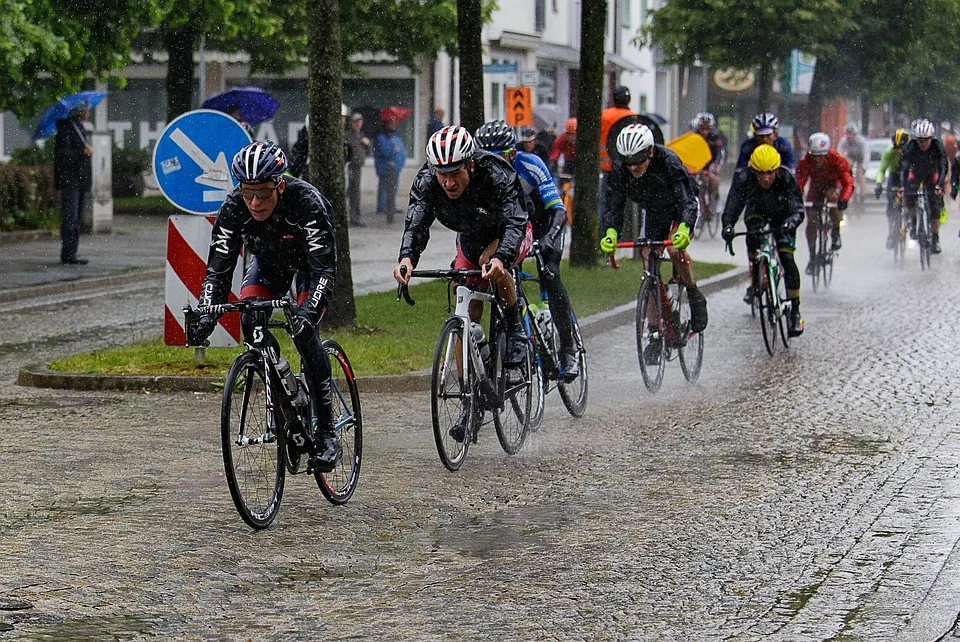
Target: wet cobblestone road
809 496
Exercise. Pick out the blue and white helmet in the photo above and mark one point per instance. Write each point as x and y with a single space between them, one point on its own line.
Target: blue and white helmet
259 162
765 123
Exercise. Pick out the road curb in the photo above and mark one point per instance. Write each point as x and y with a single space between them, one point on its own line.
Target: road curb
94 283
39 376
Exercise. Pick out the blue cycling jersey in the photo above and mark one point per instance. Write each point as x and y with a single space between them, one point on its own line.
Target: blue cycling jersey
534 174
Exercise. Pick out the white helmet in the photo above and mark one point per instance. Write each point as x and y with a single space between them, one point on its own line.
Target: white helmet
819 143
634 143
923 129
450 148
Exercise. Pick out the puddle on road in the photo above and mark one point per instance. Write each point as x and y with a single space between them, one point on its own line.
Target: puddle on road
55 629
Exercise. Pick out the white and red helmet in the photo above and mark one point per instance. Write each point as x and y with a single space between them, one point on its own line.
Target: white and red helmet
819 144
449 148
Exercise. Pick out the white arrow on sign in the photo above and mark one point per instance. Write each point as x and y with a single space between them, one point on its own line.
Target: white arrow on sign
215 174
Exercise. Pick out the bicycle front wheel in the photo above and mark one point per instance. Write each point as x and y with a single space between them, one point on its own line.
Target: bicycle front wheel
767 311
691 348
539 378
574 394
252 439
339 484
450 394
512 419
924 239
651 348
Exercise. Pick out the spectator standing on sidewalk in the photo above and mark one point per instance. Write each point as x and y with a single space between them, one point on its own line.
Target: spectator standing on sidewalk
436 123
359 146
389 156
73 176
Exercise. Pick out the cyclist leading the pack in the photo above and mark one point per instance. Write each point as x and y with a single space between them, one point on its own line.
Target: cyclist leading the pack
769 194
830 182
655 179
286 226
924 160
549 220
765 127
889 173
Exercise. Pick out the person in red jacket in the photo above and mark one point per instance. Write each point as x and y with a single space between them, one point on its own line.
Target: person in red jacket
830 181
565 144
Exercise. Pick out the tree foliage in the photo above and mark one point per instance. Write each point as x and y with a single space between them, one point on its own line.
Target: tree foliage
48 47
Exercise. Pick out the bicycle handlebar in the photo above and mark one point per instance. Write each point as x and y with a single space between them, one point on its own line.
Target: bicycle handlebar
639 243
763 231
458 275
190 315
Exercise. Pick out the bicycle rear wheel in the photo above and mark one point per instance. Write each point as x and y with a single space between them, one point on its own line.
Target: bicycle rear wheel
338 484
252 439
512 420
450 393
691 352
574 394
650 344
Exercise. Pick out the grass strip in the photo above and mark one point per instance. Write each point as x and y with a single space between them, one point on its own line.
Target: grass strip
390 337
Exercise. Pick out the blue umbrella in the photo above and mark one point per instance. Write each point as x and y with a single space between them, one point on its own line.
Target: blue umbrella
61 109
256 105
657 118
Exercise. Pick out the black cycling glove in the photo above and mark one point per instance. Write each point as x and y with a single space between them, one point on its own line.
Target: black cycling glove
199 331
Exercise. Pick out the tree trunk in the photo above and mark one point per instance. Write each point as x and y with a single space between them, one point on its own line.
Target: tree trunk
326 136
865 102
469 29
179 45
584 242
764 86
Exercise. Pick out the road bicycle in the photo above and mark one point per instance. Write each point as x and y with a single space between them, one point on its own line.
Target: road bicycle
824 254
898 228
540 327
923 229
663 319
261 397
469 371
709 216
860 181
769 289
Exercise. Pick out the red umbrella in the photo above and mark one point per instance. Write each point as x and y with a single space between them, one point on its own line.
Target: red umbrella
396 113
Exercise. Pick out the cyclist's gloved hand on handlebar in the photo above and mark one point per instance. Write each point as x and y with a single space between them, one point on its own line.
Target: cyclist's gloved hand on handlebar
608 244
304 324
550 243
727 234
878 191
199 331
841 205
681 238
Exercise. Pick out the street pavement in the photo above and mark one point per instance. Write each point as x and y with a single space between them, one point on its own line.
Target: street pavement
813 495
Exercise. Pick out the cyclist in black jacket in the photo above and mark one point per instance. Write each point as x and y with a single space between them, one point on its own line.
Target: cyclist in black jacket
478 195
924 159
770 194
654 177
286 226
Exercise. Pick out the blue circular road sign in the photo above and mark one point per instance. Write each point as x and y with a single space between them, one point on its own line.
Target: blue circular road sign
191 161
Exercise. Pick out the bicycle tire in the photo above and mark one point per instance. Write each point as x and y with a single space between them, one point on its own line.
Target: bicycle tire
253 441
782 308
448 393
338 485
923 231
574 394
539 378
649 295
766 310
514 391
713 223
691 352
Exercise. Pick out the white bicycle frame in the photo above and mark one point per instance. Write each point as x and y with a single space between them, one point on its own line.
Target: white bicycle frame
470 353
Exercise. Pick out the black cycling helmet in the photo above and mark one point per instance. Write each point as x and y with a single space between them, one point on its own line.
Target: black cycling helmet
259 162
621 96
495 136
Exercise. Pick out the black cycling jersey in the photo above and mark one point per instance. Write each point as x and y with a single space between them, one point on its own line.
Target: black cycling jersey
490 208
930 165
778 204
666 191
298 236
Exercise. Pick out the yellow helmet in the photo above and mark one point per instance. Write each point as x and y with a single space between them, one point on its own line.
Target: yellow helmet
765 158
900 137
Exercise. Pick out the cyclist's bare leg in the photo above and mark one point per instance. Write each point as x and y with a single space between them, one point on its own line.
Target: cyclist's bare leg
683 265
811 231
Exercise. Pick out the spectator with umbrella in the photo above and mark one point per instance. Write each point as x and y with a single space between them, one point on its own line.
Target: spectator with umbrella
389 156
248 105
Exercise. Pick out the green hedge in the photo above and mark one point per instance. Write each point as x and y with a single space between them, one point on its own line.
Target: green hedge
27 197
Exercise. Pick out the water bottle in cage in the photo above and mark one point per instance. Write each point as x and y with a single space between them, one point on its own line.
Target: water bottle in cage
480 340
545 323
290 383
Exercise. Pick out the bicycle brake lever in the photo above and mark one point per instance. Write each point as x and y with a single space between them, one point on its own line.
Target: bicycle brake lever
730 248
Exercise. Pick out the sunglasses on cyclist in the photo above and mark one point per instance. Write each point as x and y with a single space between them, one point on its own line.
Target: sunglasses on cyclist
637 159
249 194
